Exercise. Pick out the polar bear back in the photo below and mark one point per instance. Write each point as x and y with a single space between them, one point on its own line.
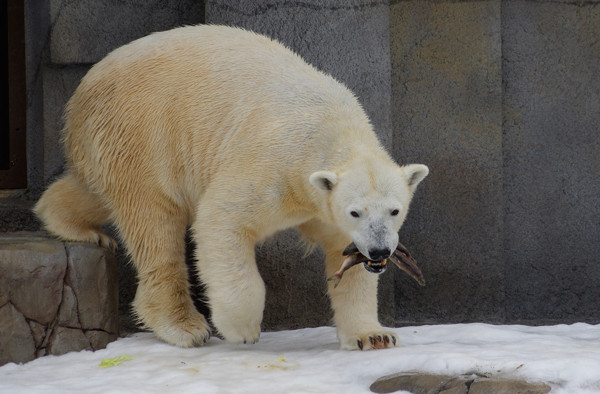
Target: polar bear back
180 105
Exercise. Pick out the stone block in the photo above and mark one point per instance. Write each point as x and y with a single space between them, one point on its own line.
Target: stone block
31 276
16 342
507 386
411 382
64 340
447 113
95 305
552 160
68 315
424 383
55 297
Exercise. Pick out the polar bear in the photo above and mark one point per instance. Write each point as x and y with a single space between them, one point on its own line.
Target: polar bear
233 135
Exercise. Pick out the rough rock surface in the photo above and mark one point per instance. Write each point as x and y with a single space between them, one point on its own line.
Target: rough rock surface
55 297
418 383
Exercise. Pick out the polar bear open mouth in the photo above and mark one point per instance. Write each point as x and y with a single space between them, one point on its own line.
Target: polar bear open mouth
401 258
377 267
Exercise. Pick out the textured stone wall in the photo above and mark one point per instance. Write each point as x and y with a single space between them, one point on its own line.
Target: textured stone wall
499 98
55 297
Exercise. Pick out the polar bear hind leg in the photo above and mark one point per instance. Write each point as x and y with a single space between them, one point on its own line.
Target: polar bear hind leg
72 212
153 230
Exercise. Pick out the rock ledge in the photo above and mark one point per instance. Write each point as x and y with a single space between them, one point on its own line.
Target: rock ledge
55 297
421 383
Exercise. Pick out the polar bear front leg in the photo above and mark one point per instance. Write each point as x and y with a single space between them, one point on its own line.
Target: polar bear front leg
354 300
354 303
227 268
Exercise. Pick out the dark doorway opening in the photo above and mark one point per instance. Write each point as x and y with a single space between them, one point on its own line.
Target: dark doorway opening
13 165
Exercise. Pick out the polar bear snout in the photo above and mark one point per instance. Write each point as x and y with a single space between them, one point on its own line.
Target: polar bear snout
379 254
375 238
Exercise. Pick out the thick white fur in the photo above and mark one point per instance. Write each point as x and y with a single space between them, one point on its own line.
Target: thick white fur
222 130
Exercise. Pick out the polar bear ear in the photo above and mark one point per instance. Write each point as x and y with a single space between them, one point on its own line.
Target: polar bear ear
323 180
415 173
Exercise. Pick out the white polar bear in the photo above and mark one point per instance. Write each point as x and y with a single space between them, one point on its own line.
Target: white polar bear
233 134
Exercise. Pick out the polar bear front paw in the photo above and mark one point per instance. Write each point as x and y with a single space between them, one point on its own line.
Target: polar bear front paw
239 333
239 323
369 341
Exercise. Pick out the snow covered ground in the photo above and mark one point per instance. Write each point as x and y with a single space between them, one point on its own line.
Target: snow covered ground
308 361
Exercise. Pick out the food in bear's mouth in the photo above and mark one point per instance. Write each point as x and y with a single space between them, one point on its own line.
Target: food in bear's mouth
401 258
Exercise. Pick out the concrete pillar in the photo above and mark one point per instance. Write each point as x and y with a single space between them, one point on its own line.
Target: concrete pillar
447 113
551 71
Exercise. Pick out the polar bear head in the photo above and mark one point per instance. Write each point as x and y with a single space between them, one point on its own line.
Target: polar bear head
369 201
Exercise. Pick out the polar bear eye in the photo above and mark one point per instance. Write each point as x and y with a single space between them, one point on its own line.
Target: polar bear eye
355 214
395 212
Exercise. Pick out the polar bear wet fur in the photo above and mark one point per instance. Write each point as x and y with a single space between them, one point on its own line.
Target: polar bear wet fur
231 134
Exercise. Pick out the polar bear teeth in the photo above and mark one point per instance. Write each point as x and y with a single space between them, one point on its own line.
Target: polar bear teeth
375 266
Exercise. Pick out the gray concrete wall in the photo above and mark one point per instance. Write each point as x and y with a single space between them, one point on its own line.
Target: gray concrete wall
499 98
551 73
447 113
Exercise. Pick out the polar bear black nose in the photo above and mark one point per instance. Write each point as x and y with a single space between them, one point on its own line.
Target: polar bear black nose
379 254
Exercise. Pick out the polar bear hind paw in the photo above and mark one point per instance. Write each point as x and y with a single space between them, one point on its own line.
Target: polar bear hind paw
91 236
104 241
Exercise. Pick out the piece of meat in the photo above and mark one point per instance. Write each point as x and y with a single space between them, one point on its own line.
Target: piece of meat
349 262
404 260
401 258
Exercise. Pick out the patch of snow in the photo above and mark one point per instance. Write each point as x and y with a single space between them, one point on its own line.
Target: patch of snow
567 357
